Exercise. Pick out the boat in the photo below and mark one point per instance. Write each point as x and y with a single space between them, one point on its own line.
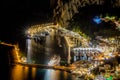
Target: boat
54 61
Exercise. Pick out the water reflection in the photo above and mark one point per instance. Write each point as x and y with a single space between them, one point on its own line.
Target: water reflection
52 75
34 73
19 72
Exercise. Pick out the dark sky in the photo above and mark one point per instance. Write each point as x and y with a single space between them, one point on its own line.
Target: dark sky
16 13
14 8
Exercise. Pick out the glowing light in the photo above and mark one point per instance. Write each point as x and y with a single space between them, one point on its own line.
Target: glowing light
33 73
110 18
17 53
97 20
23 59
52 75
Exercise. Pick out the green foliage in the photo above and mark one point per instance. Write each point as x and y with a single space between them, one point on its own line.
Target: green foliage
63 62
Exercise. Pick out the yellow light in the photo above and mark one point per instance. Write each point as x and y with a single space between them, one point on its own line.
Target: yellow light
17 53
18 71
33 73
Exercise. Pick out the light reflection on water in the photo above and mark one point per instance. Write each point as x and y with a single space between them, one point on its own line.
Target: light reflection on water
52 74
19 72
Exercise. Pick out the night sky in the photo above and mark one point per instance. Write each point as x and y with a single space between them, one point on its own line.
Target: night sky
16 14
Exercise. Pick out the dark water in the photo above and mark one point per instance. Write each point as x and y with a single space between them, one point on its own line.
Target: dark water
25 73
